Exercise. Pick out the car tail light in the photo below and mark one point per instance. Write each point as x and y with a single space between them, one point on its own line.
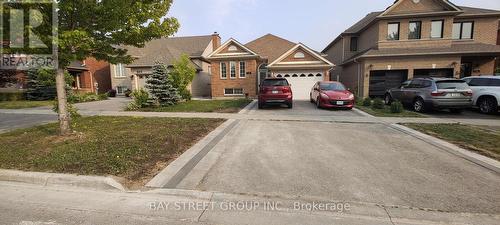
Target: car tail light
285 90
438 93
468 93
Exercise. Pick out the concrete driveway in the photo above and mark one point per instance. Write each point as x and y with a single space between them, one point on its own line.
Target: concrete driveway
354 162
302 108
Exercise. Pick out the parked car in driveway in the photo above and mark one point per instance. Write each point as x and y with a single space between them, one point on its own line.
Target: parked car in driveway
275 91
432 93
331 94
485 92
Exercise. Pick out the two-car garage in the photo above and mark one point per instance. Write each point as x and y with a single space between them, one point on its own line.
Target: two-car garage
382 80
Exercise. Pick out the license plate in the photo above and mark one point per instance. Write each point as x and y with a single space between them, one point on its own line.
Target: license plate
340 102
455 94
275 92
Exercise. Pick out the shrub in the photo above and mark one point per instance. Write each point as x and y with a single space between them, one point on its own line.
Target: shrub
396 107
112 93
367 102
141 97
378 103
41 83
127 93
181 75
12 96
86 97
72 110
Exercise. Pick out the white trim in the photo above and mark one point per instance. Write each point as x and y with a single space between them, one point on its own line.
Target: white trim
220 70
299 62
300 45
244 72
233 53
399 2
223 46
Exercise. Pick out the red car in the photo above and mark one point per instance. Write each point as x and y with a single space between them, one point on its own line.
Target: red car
275 91
331 94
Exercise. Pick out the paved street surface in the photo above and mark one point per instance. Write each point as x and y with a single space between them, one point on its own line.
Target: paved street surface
15 121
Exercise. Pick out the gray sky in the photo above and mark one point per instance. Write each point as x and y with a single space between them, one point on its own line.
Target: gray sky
312 22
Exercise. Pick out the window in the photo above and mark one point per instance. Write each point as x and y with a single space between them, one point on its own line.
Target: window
121 89
275 82
463 30
233 91
484 82
299 55
119 70
354 44
232 48
232 70
437 29
223 70
415 30
393 31
243 72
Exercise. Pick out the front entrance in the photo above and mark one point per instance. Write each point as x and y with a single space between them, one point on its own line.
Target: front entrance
302 83
382 80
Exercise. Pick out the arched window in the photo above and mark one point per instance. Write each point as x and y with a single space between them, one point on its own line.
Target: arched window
232 48
287 75
310 75
279 75
299 55
295 75
302 75
319 75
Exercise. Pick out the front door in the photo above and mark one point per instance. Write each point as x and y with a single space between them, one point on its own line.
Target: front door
466 69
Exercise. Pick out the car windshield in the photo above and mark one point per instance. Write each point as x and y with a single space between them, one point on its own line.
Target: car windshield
452 84
275 82
331 87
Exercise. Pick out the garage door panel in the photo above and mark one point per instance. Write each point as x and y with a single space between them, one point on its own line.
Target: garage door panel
382 80
302 83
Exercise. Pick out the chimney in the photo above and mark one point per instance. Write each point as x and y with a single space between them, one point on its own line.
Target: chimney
216 41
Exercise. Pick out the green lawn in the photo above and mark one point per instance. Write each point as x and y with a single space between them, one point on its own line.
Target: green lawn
24 104
386 112
224 106
133 148
484 140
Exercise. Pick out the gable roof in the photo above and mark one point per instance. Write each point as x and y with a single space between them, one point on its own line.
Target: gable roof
304 47
270 46
167 50
216 53
374 16
450 6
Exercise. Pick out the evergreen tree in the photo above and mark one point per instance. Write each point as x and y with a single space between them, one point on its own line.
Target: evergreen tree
160 87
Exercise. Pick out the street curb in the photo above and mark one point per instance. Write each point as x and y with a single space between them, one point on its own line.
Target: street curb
175 172
248 107
57 179
481 160
363 113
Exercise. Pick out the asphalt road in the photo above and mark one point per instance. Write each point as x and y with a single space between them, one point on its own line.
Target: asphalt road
16 121
368 163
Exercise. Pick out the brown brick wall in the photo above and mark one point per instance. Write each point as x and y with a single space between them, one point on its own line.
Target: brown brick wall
249 84
101 72
485 29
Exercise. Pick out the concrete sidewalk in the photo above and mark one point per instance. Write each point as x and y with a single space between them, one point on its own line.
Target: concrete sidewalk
48 205
269 117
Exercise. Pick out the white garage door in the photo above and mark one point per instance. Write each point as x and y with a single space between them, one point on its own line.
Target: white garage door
302 83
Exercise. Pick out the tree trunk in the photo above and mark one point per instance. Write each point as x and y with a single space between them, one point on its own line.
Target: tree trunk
64 118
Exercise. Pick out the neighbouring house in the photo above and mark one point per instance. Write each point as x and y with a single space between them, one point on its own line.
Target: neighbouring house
415 38
238 69
167 51
90 75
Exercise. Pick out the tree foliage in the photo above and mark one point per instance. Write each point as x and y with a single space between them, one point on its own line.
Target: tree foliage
42 84
182 74
161 87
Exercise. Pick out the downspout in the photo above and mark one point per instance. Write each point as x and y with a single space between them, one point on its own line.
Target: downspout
359 78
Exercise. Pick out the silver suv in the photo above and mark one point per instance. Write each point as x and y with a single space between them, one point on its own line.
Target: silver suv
486 92
432 93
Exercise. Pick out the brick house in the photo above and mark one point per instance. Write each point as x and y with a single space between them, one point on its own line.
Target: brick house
415 38
167 50
237 69
90 75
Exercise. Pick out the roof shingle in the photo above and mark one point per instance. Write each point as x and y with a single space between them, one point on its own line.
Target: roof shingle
270 46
